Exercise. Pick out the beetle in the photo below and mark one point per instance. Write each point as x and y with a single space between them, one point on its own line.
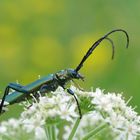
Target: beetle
52 81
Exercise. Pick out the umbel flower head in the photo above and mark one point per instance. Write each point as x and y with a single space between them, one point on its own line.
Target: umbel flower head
55 116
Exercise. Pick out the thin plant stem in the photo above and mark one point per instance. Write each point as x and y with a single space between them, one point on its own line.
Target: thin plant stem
94 131
74 129
49 132
126 137
53 133
46 130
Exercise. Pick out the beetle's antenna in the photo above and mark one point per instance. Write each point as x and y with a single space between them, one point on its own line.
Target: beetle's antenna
89 52
113 47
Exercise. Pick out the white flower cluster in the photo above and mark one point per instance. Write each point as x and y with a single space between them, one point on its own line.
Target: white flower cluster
56 112
115 111
59 106
112 109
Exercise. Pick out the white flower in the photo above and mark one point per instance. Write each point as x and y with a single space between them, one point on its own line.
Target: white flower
33 122
66 112
67 130
5 103
40 133
14 123
130 113
3 129
116 121
4 108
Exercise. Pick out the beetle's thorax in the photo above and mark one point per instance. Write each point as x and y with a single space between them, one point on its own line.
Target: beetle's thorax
66 75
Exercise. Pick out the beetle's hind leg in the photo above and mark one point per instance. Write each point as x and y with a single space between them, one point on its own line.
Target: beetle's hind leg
3 98
14 86
17 87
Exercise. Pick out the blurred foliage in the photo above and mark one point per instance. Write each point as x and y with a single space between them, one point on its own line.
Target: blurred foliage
42 37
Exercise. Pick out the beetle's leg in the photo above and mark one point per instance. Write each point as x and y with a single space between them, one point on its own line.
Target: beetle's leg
72 93
77 85
3 99
18 87
13 86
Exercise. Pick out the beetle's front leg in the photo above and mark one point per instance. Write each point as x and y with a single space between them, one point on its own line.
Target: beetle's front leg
77 85
14 86
78 105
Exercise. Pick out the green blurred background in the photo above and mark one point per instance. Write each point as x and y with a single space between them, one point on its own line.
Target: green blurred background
42 37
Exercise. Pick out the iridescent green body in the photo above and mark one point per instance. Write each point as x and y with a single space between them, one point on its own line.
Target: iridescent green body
16 96
43 85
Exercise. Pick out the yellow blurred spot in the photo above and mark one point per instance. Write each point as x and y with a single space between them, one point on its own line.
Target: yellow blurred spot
52 7
47 52
23 9
10 43
7 32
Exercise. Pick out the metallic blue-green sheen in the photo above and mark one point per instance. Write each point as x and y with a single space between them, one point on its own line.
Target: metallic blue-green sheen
18 96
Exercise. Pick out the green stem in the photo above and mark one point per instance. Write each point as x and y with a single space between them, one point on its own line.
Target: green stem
53 133
94 131
74 129
126 136
48 132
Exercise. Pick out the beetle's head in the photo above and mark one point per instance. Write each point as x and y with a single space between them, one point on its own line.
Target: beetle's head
74 75
64 76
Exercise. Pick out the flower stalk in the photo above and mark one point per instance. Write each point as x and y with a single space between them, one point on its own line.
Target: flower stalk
74 129
93 132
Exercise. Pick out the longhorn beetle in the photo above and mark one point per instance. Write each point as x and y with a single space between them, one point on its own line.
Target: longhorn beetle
52 81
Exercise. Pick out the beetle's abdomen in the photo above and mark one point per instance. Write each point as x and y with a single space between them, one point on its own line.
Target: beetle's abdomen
49 87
